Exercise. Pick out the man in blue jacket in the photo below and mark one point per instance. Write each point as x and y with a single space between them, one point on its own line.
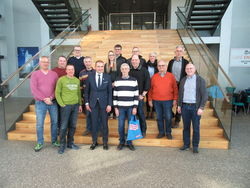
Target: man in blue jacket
98 100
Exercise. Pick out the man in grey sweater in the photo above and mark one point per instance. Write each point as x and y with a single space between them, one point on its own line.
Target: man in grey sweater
191 103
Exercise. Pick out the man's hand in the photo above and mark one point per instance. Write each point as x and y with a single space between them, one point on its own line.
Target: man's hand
134 111
47 101
88 108
174 103
141 97
179 109
80 109
150 103
108 109
199 112
116 112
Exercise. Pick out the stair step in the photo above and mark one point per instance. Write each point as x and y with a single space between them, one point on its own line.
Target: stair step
57 7
213 131
205 142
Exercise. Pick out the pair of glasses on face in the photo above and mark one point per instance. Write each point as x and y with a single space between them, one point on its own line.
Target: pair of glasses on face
117 49
111 55
161 65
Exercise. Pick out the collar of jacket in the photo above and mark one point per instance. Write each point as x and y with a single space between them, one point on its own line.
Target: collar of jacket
180 59
152 64
138 68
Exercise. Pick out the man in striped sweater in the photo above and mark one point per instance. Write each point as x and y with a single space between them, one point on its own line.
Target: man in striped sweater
125 101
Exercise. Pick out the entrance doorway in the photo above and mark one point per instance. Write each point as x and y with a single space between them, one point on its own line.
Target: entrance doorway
132 21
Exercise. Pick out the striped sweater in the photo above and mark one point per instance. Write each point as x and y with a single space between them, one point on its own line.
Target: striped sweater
126 92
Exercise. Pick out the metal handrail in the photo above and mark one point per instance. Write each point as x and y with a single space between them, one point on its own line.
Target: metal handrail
208 51
60 35
26 77
226 97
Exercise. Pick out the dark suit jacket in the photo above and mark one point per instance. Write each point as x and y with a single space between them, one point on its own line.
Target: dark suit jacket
103 94
184 63
201 92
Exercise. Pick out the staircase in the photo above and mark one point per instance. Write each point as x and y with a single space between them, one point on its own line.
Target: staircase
207 14
97 44
58 14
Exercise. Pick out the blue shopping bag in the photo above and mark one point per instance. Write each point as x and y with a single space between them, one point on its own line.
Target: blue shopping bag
134 130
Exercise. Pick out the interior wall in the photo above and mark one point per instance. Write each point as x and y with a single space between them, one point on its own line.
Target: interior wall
235 34
21 26
94 11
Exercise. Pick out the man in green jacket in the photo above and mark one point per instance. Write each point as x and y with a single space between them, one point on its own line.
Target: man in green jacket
68 96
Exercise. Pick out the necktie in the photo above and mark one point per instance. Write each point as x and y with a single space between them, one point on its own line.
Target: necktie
99 80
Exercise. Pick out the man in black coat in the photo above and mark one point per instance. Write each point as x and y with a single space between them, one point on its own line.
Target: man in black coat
177 67
77 61
136 51
119 58
141 74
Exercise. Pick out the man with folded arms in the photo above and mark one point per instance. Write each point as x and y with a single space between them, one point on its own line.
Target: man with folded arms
68 96
191 104
163 95
125 101
42 84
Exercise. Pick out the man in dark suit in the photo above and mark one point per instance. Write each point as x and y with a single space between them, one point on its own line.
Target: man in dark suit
177 67
98 100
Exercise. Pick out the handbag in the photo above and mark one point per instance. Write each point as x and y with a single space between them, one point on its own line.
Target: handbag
134 130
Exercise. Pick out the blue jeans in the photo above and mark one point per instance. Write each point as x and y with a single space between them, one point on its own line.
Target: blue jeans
69 115
141 116
123 114
164 115
41 110
189 113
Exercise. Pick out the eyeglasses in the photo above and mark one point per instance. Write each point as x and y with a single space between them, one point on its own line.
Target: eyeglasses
161 65
118 49
111 54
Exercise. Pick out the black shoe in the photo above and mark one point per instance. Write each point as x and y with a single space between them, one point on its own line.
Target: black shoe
195 150
73 146
120 146
160 135
144 134
105 147
184 148
131 147
169 136
61 150
85 133
93 146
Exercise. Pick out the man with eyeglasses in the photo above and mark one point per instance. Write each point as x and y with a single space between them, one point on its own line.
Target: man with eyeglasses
136 51
163 95
119 58
77 61
191 103
177 67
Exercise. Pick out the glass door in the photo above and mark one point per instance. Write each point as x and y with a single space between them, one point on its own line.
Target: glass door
132 21
120 21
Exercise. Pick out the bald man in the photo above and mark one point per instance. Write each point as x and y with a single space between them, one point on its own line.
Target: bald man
191 104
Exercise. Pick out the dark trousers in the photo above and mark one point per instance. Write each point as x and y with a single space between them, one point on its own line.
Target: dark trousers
99 114
124 113
176 114
141 116
69 115
164 115
189 114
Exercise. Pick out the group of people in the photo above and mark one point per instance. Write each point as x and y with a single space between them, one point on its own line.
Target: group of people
117 88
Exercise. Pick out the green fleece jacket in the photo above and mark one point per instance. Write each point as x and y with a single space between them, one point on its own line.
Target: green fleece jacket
68 91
